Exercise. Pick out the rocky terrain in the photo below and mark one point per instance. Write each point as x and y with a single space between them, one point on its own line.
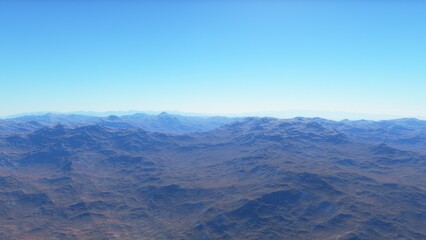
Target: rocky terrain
174 177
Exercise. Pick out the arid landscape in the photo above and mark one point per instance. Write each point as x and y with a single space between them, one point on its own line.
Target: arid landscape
212 120
176 177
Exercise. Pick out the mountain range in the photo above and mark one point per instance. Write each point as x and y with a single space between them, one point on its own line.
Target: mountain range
168 176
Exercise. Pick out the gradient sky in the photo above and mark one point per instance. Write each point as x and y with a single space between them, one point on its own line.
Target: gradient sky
213 56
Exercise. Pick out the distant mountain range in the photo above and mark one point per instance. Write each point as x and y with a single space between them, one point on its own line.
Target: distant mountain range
163 122
168 176
333 115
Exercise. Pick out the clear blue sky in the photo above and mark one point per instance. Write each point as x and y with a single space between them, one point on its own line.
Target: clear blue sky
213 56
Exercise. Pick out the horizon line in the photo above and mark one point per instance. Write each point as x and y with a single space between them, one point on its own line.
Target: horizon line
285 114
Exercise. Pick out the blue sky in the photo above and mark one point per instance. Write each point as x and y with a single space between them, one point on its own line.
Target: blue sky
213 56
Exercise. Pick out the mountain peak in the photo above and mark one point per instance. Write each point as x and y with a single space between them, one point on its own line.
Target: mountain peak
113 118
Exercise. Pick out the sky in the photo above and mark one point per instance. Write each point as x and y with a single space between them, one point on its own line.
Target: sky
214 57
